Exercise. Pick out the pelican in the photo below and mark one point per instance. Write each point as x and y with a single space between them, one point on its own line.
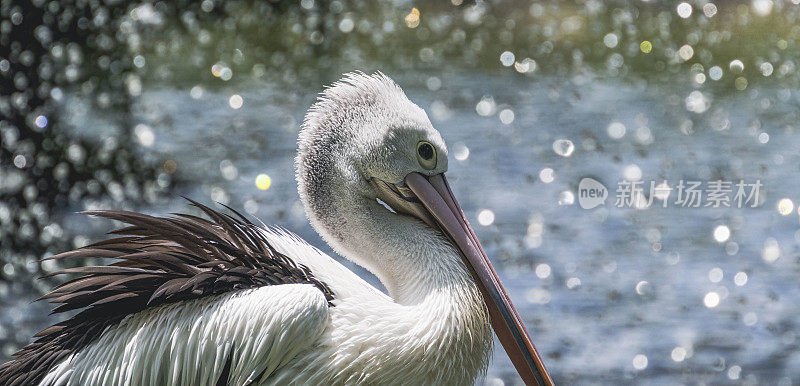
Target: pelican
191 300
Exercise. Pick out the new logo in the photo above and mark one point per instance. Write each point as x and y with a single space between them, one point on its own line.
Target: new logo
591 193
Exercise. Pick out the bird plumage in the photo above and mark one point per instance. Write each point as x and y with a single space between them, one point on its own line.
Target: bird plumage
161 260
334 329
222 301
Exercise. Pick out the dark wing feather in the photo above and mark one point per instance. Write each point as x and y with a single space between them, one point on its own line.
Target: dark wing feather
159 260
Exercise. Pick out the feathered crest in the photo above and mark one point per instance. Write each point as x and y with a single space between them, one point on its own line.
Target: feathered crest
355 89
160 260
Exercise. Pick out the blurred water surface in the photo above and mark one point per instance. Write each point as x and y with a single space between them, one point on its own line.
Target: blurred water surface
611 295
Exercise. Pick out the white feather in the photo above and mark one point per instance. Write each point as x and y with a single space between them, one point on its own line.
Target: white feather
432 327
290 333
188 343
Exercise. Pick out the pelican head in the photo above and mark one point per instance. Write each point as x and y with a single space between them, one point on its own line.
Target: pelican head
364 144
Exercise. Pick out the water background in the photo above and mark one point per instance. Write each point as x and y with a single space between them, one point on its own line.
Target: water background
611 295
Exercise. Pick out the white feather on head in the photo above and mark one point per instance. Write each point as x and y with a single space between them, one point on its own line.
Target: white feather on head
363 127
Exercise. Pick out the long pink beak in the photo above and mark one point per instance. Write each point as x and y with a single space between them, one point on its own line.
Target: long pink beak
435 195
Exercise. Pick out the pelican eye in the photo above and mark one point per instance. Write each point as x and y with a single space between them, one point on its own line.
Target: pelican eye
426 155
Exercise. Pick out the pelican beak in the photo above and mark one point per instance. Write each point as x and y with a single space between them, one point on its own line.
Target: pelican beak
431 200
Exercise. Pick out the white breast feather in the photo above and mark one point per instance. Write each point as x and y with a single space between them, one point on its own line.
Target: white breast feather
187 343
290 333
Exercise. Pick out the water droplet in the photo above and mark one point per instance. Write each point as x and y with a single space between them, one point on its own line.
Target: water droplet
460 151
740 278
736 66
20 161
8 270
543 271
766 68
722 233
412 19
566 198
762 7
573 283
642 287
646 46
547 175
139 61
346 25
610 40
228 170
711 299
715 275
644 136
235 101
527 65
632 173
506 116
740 83
686 52
731 248
678 354
486 217
507 58
217 68
700 78
785 207
771 251
40 121
563 147
709 9
715 73
640 362
486 106
433 83
750 319
697 102
263 182
616 130
144 134
734 372
196 92
684 10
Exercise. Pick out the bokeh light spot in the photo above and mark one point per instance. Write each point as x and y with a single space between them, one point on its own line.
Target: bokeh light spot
678 354
486 217
547 175
785 206
684 10
711 299
236 101
640 362
563 147
646 46
263 181
412 19
722 233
